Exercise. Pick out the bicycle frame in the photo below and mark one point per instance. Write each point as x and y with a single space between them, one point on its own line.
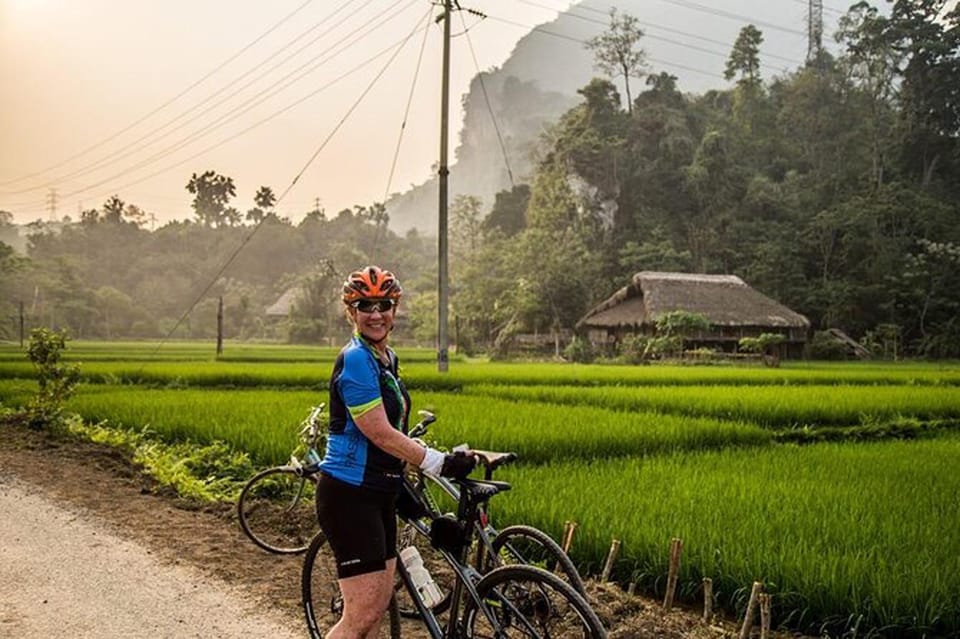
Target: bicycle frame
466 574
483 530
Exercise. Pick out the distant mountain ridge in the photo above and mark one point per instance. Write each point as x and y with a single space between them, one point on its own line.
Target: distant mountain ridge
539 82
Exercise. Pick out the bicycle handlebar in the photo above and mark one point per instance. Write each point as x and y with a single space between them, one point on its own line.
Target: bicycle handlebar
311 425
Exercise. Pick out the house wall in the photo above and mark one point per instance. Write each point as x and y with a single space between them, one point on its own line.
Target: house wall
722 338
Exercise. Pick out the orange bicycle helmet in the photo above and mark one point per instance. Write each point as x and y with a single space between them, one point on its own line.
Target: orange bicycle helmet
371 282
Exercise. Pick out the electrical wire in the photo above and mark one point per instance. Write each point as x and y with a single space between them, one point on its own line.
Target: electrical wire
168 102
238 111
486 98
397 48
406 112
135 147
564 36
653 36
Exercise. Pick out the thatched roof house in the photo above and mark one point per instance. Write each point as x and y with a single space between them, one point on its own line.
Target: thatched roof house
733 308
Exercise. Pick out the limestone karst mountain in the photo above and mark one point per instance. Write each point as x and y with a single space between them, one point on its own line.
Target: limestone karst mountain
538 82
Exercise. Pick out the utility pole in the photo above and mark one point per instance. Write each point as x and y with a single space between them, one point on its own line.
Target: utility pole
220 328
443 340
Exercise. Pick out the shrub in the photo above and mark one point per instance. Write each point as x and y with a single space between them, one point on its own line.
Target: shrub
823 345
579 350
56 380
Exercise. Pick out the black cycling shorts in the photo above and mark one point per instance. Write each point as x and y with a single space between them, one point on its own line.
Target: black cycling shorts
360 525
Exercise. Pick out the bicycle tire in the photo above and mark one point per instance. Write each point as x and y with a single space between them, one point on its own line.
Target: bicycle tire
320 593
530 602
277 512
531 546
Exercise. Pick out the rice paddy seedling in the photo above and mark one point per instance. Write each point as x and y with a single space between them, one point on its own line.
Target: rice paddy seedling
776 407
834 531
539 432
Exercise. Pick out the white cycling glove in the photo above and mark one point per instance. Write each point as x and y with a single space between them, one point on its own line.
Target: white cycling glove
432 461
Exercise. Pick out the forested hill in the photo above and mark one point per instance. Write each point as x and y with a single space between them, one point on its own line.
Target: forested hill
540 79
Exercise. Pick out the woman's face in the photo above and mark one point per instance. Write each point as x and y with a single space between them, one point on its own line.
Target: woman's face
375 325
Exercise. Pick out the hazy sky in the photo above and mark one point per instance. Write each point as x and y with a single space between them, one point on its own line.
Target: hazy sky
75 73
131 97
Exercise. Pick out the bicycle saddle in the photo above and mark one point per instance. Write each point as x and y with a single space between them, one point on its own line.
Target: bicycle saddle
480 490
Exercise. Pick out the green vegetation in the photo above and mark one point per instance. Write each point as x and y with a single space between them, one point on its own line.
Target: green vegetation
833 484
841 534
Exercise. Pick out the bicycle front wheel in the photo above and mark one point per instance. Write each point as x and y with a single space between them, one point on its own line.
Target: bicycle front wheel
531 546
321 598
524 601
277 512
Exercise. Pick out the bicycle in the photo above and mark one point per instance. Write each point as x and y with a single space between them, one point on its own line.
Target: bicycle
517 544
508 601
276 506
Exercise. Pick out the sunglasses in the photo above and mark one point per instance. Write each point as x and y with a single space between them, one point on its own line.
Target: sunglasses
372 306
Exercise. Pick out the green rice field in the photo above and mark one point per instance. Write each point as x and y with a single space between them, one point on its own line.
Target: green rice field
852 537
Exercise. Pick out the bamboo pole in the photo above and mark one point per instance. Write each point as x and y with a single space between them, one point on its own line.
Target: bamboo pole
764 616
611 558
707 599
568 529
751 608
676 545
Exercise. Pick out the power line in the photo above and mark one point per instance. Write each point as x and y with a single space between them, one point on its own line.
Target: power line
241 132
406 113
233 256
168 102
486 98
564 36
655 26
134 147
735 16
245 107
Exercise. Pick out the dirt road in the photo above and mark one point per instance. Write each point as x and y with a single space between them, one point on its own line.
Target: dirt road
64 574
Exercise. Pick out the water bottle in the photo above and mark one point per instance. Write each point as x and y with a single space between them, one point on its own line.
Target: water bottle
422 581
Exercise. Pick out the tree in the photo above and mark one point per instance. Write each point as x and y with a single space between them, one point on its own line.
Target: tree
508 211
615 51
873 66
745 57
767 345
113 210
264 200
673 328
745 61
212 194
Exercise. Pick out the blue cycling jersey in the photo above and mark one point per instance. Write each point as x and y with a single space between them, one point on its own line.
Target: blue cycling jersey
360 382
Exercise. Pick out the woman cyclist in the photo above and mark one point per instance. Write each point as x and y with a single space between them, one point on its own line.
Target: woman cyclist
366 449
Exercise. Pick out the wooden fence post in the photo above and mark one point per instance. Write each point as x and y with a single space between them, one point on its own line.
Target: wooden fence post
611 558
707 599
676 545
568 528
764 616
751 608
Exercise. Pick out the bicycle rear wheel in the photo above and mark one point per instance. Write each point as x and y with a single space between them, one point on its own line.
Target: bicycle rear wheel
529 602
321 598
533 547
277 512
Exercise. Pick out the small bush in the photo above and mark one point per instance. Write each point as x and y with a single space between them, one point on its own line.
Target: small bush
579 350
825 346
56 380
